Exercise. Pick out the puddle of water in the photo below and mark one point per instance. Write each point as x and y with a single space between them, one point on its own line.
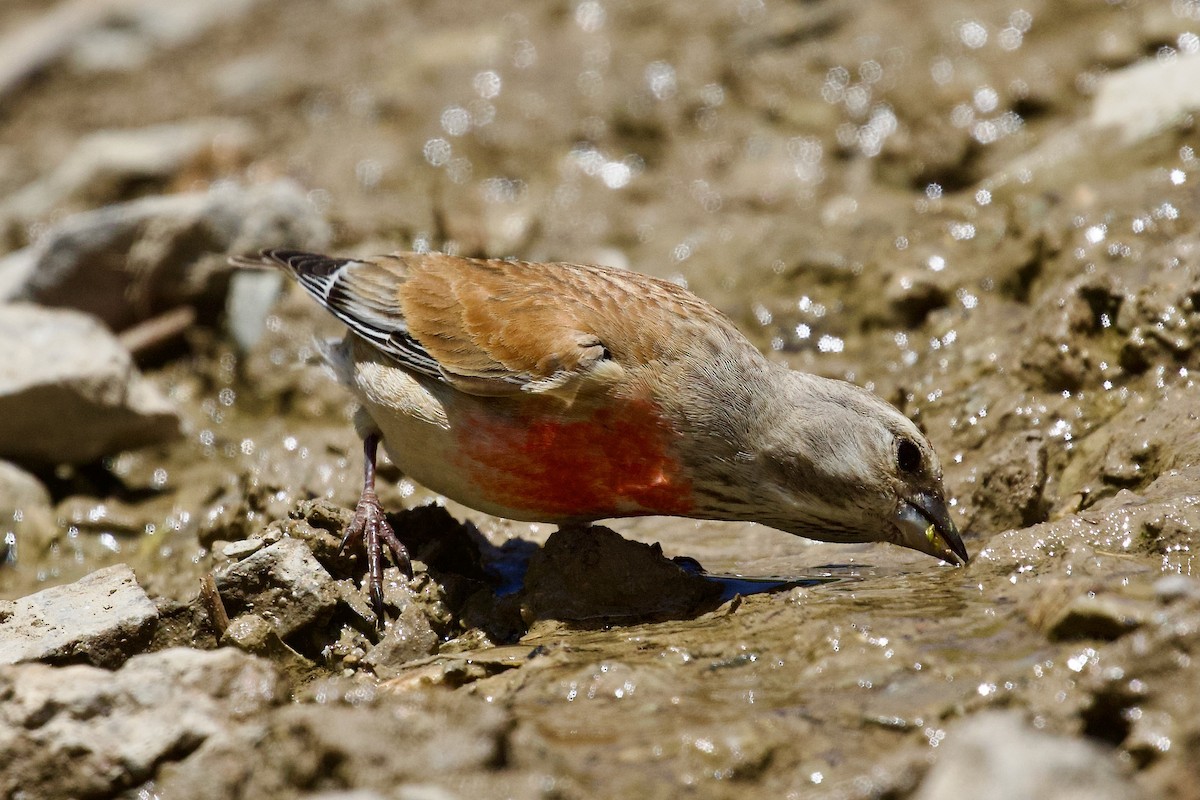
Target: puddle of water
746 585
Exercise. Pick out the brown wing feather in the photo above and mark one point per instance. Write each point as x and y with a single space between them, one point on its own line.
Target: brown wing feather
490 319
493 318
495 327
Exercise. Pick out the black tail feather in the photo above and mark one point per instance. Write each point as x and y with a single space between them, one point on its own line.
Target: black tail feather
299 262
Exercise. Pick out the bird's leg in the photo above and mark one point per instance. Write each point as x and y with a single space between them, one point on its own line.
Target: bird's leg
371 527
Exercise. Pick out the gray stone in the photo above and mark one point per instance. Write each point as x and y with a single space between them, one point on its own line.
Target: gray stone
79 731
101 619
254 634
408 637
253 78
116 49
283 583
132 261
425 791
251 297
26 50
357 602
242 548
102 164
26 514
83 30
374 744
16 269
1176 587
148 25
1145 98
69 393
998 756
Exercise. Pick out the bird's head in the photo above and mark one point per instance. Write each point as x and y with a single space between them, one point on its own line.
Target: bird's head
834 462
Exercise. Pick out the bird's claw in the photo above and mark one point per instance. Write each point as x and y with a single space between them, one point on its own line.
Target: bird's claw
370 526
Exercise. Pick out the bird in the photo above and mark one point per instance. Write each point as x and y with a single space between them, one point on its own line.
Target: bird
568 393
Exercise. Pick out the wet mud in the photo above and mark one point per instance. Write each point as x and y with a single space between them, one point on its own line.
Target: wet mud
958 206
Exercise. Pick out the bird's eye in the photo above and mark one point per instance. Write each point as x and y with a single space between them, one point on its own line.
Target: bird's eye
908 457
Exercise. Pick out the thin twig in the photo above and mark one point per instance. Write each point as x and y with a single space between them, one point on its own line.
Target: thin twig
157 330
214 604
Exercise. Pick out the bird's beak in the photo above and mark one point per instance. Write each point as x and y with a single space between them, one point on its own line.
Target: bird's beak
924 524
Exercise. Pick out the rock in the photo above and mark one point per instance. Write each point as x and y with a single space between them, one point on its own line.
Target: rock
16 269
1176 587
407 638
26 514
101 619
997 756
283 583
241 548
106 34
357 602
323 544
593 572
128 262
251 297
366 742
79 731
146 26
1097 617
65 377
1141 100
254 634
29 49
253 78
103 165
110 49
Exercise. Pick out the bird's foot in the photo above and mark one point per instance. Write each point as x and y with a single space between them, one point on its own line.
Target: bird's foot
370 526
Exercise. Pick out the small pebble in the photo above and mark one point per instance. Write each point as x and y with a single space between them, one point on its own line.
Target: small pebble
1175 587
242 548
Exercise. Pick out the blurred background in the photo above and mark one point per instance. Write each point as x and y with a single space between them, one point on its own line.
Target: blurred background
985 212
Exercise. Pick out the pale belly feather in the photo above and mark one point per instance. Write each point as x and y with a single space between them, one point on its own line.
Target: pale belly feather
489 454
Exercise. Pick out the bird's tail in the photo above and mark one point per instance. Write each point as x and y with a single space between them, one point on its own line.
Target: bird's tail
256 262
297 262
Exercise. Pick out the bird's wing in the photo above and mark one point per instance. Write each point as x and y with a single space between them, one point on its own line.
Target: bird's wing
362 294
485 326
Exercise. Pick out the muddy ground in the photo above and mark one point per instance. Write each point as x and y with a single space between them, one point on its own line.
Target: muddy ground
987 213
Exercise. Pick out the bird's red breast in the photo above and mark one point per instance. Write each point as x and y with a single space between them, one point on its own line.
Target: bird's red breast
615 460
